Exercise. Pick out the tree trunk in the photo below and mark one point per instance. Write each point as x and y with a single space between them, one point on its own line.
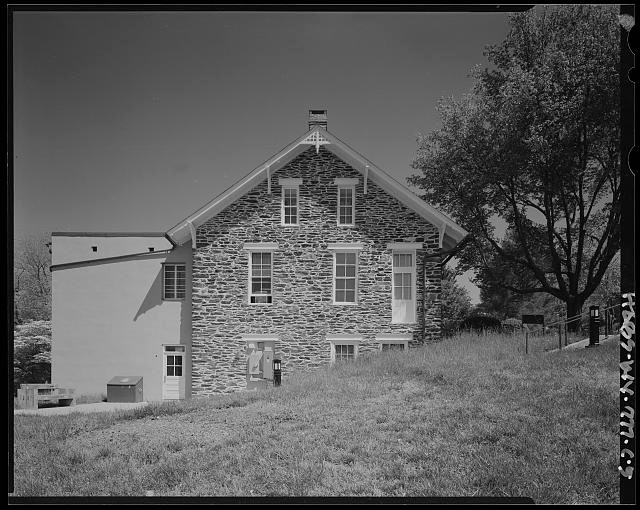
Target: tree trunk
574 307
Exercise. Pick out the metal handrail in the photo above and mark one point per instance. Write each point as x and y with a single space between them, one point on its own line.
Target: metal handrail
569 319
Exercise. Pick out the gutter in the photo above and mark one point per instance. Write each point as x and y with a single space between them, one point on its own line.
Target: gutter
107 259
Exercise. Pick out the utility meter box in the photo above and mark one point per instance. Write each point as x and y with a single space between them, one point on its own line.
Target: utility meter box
125 388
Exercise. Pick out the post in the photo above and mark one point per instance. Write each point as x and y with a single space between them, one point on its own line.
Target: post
594 326
566 341
559 337
526 341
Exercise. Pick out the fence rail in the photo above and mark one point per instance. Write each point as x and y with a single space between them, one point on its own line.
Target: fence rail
556 334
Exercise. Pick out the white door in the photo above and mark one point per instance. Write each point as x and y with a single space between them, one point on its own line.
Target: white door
173 384
404 288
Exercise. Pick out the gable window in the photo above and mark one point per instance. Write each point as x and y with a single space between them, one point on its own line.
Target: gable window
290 201
174 281
344 347
346 210
403 283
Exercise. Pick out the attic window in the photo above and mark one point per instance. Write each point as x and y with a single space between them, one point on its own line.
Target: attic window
289 204
94 248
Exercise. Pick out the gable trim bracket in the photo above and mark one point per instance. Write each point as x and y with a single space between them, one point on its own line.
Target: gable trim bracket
442 229
192 230
366 177
268 179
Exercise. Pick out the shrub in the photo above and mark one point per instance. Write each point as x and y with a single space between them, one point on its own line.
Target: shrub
31 353
481 323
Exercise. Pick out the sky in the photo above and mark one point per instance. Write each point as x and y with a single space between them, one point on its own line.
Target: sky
130 121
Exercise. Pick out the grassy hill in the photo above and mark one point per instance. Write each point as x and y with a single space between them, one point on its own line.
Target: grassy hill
470 416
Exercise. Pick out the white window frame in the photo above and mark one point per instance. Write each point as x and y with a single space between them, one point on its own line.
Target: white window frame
346 183
175 285
344 340
393 339
345 248
290 184
252 248
405 249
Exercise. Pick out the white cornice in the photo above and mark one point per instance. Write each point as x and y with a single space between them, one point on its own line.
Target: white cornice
345 246
346 181
404 246
260 246
345 338
289 181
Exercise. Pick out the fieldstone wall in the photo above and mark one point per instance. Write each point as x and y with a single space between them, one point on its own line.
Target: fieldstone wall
302 313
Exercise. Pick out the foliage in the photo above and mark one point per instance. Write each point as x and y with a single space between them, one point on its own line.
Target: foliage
535 144
481 323
455 299
32 280
31 353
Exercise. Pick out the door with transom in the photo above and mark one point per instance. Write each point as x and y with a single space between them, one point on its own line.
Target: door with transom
404 287
173 380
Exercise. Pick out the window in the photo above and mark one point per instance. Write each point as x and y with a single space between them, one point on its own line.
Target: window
393 342
344 347
174 365
289 206
346 205
345 352
260 270
403 283
345 277
175 276
290 201
346 210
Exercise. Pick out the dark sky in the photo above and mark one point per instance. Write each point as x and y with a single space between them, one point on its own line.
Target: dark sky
131 121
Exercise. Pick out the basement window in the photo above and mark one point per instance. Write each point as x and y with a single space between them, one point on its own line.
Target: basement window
94 248
393 342
344 347
151 248
174 281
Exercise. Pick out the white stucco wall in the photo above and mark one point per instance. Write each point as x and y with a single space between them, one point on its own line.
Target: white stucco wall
109 319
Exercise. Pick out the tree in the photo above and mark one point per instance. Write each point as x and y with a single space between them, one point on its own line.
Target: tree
456 302
31 353
32 280
536 144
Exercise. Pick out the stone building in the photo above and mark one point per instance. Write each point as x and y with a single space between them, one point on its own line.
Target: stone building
317 255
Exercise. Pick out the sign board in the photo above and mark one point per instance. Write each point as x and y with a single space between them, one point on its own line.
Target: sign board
532 319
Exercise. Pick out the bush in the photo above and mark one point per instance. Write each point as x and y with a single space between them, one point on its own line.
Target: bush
31 353
481 323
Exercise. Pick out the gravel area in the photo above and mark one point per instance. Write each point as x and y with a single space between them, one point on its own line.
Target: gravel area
97 407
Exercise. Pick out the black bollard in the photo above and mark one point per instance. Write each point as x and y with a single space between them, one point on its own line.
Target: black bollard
277 372
594 326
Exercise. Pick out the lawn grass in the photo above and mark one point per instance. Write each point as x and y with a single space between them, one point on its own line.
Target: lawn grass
468 416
